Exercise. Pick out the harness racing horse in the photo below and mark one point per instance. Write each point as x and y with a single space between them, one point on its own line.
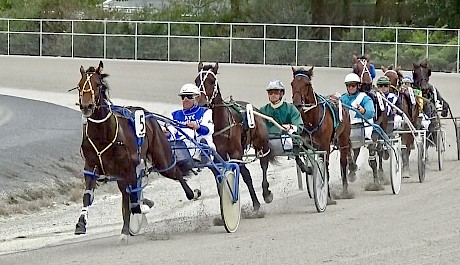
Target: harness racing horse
421 74
361 68
321 124
111 149
231 132
408 107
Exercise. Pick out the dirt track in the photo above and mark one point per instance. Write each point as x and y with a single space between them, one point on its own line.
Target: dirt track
421 225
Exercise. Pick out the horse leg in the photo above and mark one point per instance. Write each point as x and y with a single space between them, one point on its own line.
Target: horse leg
344 153
195 194
248 180
405 161
88 198
126 213
352 166
266 193
375 186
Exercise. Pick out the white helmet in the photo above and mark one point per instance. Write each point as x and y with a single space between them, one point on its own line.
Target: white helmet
352 78
189 89
275 84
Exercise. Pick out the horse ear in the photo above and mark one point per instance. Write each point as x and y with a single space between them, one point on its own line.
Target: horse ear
215 68
200 66
82 70
100 67
293 69
383 68
368 56
310 71
354 58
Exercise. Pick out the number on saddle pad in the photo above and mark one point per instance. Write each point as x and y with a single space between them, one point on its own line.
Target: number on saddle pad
139 123
250 116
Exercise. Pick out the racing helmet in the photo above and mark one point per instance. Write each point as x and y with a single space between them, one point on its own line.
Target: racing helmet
189 89
275 84
384 80
408 79
352 78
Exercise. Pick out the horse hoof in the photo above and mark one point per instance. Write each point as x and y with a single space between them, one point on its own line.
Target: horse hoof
123 239
218 221
80 228
373 186
331 201
148 202
268 198
353 167
256 206
352 176
196 194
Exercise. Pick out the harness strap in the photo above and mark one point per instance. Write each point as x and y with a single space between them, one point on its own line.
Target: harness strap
99 153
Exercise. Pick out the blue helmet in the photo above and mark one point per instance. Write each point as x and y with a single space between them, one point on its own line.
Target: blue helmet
408 79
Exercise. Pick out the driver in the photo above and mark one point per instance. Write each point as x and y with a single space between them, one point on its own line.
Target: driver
196 118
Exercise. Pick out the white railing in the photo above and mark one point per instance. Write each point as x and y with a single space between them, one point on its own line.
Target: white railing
231 42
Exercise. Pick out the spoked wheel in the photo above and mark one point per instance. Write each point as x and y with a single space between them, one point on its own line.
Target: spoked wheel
320 184
230 210
135 223
396 166
440 147
421 161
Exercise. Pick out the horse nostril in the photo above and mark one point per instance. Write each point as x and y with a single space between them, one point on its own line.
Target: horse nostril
90 106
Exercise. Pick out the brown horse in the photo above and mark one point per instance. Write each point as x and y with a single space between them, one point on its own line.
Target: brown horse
231 133
411 111
321 129
111 148
361 67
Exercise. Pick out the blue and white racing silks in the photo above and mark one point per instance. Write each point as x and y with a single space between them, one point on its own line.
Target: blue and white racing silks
196 114
360 99
393 99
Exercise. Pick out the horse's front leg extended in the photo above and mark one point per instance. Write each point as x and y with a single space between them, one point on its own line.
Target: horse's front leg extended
88 198
267 194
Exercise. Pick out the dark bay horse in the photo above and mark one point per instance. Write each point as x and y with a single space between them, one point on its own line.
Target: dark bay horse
231 133
321 128
111 148
361 67
411 110
421 73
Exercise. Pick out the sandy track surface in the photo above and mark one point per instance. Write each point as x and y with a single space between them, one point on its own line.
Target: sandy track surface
418 226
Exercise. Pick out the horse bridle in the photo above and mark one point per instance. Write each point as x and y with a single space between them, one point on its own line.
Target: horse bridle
203 74
304 106
88 88
365 70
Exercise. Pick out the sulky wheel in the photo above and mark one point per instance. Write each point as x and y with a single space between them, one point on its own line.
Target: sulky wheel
421 161
320 184
440 147
395 166
230 209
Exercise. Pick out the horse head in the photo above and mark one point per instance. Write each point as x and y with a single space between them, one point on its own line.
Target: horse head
92 91
302 90
421 74
206 81
362 69
394 75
